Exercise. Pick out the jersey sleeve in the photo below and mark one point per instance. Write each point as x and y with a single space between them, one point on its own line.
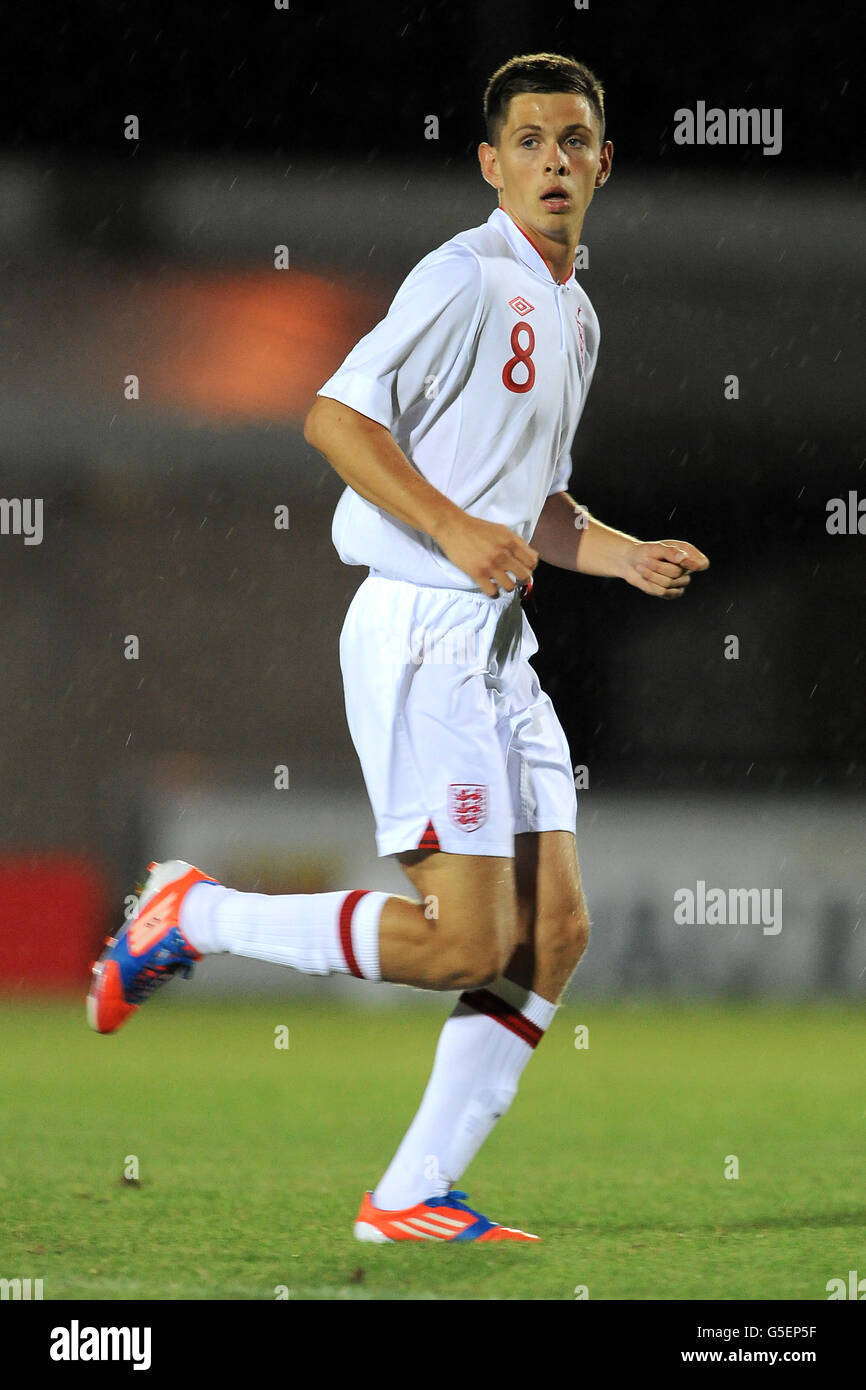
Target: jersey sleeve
418 344
562 472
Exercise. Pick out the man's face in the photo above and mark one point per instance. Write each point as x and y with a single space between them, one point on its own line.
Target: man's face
550 140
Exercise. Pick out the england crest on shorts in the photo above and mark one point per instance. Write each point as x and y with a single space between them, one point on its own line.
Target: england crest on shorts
467 805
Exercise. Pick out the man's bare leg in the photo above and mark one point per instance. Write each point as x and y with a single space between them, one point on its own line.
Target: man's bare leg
491 1034
460 935
463 931
553 919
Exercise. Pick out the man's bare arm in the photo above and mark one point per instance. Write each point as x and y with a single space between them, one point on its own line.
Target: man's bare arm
568 536
369 460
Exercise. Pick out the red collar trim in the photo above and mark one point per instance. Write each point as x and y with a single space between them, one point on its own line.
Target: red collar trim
535 248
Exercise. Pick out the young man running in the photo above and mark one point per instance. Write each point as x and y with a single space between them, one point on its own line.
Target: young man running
451 424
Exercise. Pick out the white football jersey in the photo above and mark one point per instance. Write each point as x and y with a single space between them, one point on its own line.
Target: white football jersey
480 370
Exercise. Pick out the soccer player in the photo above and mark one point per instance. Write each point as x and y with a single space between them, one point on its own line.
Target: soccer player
451 424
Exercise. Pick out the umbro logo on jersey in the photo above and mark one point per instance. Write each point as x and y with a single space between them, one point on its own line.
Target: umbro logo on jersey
520 305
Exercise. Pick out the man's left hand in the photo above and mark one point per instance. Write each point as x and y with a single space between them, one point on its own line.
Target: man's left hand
663 568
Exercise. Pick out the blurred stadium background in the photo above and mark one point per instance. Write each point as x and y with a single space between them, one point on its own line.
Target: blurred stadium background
155 257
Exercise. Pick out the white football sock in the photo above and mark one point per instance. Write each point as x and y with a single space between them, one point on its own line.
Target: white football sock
482 1050
317 933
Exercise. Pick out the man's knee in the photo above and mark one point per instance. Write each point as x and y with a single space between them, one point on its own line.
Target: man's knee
469 907
564 935
476 960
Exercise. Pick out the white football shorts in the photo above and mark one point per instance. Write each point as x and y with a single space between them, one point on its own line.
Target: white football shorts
457 754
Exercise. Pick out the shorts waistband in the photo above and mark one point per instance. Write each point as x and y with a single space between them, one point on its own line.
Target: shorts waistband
524 589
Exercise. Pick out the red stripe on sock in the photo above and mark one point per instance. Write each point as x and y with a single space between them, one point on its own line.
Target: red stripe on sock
350 902
484 1002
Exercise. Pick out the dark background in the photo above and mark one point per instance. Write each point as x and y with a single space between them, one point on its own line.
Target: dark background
358 77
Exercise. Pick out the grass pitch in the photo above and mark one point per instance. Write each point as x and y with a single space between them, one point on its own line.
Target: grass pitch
252 1159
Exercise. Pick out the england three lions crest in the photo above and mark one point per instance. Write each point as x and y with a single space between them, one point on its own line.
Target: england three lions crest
467 805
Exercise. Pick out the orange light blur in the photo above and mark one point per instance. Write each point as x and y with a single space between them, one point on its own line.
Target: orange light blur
250 346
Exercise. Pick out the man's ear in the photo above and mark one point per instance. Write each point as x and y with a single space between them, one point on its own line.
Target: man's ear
487 161
603 175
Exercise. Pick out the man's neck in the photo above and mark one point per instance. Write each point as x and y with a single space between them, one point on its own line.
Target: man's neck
559 258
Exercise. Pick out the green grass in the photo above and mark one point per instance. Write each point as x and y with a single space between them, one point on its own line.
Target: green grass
253 1160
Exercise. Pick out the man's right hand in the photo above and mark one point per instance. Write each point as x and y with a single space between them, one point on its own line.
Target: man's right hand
369 460
493 556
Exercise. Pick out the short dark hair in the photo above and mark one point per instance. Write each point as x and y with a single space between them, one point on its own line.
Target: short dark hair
538 72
